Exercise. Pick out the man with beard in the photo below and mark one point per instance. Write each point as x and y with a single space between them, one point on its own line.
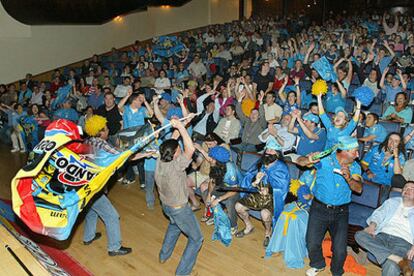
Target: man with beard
337 175
222 174
273 178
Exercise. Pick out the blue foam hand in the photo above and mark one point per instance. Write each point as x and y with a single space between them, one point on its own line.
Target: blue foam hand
364 94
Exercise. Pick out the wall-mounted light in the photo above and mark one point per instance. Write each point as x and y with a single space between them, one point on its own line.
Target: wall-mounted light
118 19
165 6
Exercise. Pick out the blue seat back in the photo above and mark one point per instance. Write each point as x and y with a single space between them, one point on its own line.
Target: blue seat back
249 161
369 196
391 126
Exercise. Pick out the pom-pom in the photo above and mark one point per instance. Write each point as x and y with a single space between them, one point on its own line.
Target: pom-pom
294 186
94 125
364 94
319 87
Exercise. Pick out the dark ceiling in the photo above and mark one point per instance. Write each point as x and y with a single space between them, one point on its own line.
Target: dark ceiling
74 12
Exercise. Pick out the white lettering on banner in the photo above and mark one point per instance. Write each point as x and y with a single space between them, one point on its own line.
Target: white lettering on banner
45 145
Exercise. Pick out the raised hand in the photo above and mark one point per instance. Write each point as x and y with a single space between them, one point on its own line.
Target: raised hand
296 79
261 96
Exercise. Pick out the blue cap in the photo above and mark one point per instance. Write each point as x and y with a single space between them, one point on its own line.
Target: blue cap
341 109
272 144
347 143
397 77
166 96
219 153
311 117
174 111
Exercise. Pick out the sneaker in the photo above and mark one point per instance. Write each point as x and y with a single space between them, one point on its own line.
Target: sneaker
233 231
22 150
121 251
314 271
97 237
204 218
142 186
121 179
14 150
210 221
127 182
150 206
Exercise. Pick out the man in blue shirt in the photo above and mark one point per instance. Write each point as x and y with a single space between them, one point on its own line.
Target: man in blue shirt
96 99
397 85
67 112
312 138
374 132
389 236
134 114
337 175
25 94
223 173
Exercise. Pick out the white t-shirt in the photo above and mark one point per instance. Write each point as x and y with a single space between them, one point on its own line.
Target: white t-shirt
272 111
399 225
160 83
121 90
288 138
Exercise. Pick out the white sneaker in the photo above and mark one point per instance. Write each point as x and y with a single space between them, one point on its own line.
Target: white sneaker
210 221
22 150
14 150
314 271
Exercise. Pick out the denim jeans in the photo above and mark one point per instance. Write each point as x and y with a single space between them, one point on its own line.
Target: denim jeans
136 168
183 221
321 220
149 188
382 246
230 204
103 209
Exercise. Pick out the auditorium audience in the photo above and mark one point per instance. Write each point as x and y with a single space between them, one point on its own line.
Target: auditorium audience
249 85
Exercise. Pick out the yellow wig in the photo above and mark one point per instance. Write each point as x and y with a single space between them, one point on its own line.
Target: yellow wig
94 125
319 87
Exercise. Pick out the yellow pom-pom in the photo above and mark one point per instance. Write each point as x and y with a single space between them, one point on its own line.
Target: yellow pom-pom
294 186
94 124
319 87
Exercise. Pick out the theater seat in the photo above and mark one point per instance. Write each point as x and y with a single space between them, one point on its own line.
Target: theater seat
249 161
361 207
391 126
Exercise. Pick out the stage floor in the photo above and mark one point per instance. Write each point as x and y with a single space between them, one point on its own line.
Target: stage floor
143 230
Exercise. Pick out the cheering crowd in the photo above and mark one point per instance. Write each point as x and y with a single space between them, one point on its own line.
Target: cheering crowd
246 87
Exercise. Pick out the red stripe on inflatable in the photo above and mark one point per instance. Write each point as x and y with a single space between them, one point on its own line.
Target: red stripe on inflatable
28 212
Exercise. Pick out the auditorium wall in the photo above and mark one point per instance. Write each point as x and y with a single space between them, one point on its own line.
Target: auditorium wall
37 49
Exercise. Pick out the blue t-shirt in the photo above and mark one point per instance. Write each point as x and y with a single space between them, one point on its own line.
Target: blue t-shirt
288 108
95 100
14 117
391 92
330 187
25 96
333 133
68 114
181 75
381 168
307 145
333 101
378 130
230 178
134 119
